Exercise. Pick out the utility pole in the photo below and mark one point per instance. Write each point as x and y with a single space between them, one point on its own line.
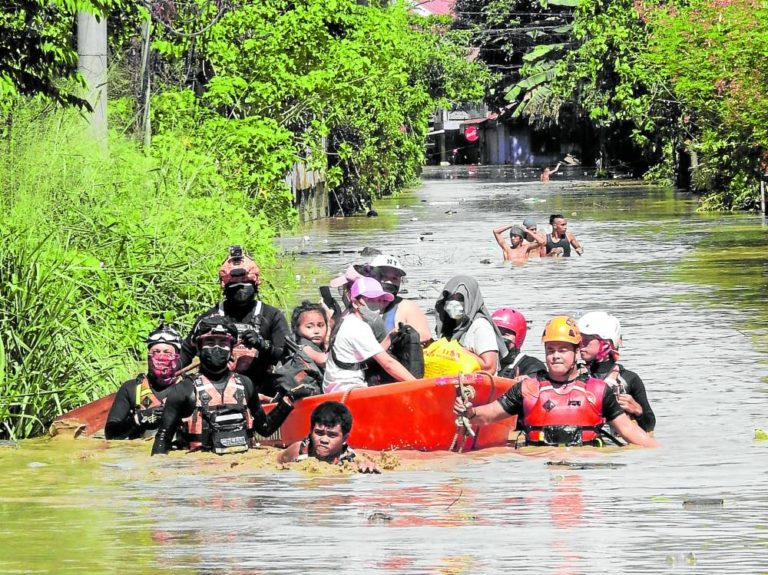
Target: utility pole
92 65
145 75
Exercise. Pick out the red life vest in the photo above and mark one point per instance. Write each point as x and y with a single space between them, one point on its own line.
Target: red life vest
570 414
221 422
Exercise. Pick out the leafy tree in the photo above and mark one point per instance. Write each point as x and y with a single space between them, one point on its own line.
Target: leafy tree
38 55
345 87
713 53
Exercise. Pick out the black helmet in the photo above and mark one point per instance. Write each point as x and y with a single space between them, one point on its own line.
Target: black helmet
164 334
216 325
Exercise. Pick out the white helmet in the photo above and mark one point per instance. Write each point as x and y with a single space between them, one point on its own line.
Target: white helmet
382 261
601 324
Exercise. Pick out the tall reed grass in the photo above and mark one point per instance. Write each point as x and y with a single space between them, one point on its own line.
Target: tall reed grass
95 249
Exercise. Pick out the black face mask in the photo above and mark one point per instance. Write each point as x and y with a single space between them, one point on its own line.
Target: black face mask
214 359
240 295
390 288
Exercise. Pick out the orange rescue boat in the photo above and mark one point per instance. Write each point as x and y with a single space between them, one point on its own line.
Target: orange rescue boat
414 414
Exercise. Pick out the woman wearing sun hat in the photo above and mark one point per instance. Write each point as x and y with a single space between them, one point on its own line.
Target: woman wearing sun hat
353 342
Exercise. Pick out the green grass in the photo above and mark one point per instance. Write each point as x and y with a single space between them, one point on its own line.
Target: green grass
95 249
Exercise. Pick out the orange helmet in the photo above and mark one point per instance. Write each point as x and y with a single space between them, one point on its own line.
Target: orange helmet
239 268
561 328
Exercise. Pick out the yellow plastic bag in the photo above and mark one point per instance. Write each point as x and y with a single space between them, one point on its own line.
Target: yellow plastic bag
445 357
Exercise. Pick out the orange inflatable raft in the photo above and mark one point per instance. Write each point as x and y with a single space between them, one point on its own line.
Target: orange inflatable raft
414 414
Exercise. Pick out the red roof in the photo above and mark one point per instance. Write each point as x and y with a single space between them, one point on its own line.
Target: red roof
434 7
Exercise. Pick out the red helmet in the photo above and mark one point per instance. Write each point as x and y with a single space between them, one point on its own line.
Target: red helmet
239 268
512 320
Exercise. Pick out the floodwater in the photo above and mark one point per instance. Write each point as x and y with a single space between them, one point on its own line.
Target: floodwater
690 290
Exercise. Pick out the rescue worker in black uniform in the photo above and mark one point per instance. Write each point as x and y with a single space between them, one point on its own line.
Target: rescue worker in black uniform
513 328
599 348
560 406
262 329
138 405
223 407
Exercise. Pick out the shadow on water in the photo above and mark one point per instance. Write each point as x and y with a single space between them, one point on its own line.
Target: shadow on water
688 288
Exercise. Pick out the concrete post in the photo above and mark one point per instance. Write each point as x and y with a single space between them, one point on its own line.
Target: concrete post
145 76
92 65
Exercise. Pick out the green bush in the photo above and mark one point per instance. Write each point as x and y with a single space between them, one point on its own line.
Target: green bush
95 249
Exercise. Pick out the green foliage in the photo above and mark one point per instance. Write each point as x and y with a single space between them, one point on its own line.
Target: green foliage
713 53
37 46
291 82
95 250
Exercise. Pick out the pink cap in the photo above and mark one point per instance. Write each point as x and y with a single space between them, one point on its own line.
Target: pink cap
369 288
350 275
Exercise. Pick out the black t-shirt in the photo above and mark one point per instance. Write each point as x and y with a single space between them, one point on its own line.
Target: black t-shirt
526 365
272 326
512 402
120 421
634 386
182 400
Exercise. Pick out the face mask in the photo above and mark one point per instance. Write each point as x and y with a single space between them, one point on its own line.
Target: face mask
163 368
215 359
240 295
373 318
390 288
454 309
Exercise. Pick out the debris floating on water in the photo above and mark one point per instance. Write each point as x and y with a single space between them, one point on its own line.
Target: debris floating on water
585 464
761 435
702 502
379 517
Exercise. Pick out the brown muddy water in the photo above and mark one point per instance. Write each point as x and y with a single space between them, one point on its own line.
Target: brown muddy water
690 290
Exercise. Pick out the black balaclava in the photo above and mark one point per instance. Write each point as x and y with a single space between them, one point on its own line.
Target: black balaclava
215 360
241 295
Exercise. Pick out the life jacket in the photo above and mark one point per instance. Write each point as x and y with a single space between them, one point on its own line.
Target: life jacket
242 356
306 451
445 357
220 422
569 415
145 402
406 348
145 398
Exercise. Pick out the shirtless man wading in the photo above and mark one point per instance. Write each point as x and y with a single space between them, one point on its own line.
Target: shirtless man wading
518 250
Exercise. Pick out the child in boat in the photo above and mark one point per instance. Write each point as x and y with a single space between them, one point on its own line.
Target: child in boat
599 348
138 405
330 425
302 373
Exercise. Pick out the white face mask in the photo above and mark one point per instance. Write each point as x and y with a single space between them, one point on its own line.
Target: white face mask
454 309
